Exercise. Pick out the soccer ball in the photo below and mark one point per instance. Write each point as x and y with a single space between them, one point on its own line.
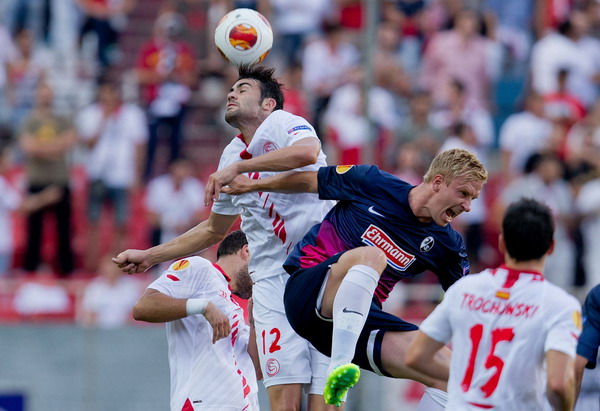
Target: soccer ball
244 36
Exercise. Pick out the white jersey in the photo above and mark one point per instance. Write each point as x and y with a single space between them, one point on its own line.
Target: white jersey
501 323
207 376
272 222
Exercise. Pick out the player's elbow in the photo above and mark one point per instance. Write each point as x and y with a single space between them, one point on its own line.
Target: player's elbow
140 312
561 386
414 357
307 155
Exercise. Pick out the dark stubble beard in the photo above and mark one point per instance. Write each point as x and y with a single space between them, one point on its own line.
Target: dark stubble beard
232 118
243 284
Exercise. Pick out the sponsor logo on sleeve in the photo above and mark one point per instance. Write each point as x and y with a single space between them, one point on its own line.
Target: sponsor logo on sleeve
396 256
343 169
296 129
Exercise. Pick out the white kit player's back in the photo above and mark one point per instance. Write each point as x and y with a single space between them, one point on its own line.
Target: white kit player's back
503 321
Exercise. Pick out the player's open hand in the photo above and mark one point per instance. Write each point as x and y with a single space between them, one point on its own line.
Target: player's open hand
216 181
239 185
218 321
133 261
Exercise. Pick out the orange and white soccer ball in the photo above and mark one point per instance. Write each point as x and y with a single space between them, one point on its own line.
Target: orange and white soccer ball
244 36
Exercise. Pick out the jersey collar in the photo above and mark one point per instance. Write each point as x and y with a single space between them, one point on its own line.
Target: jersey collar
244 154
513 275
222 272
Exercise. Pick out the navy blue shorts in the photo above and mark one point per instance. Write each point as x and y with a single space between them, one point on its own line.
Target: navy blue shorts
300 300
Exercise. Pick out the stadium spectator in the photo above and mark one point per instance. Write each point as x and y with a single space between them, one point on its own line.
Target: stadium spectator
25 74
294 23
440 65
106 18
348 129
42 296
206 331
166 72
114 134
270 140
583 144
522 135
545 183
458 109
531 347
587 206
346 267
109 297
571 47
408 166
327 62
12 200
418 128
8 54
175 201
47 141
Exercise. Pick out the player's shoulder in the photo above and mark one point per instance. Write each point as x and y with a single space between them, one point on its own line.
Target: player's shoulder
558 298
593 296
190 265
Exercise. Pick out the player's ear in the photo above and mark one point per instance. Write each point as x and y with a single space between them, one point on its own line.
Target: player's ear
245 252
268 104
551 248
501 244
437 182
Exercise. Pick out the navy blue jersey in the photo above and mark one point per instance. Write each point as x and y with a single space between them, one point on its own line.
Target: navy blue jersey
590 336
373 210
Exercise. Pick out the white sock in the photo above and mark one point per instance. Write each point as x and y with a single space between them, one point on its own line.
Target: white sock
350 309
433 400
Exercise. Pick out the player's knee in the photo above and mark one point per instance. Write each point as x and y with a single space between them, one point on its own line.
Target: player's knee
372 257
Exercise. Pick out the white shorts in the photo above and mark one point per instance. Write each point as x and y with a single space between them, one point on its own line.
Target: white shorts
285 357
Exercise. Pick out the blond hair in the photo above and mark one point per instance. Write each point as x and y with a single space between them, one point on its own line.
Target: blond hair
454 163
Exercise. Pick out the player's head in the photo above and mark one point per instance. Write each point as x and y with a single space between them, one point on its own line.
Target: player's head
527 230
256 93
455 177
234 248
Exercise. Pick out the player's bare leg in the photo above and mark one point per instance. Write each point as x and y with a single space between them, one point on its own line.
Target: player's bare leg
317 403
347 299
393 349
285 397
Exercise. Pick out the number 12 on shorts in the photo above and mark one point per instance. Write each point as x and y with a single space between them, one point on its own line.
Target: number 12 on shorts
491 361
274 346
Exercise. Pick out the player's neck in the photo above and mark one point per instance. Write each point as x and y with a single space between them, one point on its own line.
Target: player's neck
417 200
528 266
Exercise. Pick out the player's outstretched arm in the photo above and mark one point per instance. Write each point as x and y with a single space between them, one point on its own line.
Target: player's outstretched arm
421 357
302 153
290 182
156 307
561 380
204 235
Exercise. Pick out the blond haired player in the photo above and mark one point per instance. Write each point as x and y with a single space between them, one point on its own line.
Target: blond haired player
513 333
209 341
270 140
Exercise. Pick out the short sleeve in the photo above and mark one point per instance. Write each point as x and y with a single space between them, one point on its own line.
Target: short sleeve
186 278
455 266
437 325
590 336
345 182
565 327
297 128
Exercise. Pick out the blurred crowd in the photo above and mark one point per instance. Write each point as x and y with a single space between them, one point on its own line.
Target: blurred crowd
108 103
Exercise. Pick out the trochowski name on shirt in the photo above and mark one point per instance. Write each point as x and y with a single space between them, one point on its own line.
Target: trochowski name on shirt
474 303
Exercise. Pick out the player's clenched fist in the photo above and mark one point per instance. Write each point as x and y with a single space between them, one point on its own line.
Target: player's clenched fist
218 321
133 261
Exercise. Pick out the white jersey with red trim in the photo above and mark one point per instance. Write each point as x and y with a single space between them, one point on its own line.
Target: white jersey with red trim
501 323
207 376
272 222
